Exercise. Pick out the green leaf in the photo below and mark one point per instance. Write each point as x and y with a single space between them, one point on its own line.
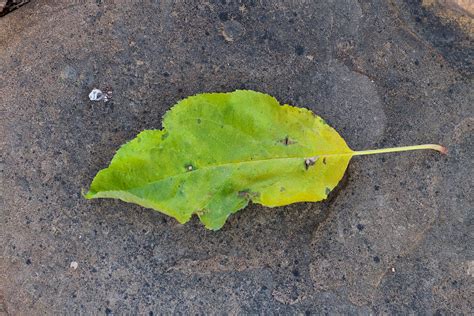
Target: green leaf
218 151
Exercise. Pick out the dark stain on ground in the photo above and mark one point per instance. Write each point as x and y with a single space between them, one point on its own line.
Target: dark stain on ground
446 37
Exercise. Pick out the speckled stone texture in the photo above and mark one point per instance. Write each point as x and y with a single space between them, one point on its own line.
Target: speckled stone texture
7 6
396 237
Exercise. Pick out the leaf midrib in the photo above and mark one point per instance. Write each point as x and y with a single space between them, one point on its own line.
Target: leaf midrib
232 163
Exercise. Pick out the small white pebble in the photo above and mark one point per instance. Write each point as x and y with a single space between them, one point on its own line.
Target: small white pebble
74 265
393 269
96 95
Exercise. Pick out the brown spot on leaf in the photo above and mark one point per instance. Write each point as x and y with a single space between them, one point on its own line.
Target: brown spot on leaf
324 160
287 141
247 194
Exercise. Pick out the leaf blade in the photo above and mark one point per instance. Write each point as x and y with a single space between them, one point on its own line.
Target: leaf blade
180 171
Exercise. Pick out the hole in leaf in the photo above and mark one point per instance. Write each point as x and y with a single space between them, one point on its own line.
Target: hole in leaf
310 161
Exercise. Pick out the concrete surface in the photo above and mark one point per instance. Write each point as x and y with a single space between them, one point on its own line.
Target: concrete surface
396 237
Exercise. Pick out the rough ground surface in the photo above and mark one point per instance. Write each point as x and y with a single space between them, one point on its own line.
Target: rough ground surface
7 6
397 237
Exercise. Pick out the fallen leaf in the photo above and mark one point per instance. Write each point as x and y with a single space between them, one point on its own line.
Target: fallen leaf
219 151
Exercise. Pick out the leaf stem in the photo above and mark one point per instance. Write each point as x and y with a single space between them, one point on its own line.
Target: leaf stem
439 148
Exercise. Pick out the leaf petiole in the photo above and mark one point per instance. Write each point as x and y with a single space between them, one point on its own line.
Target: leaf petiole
439 148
